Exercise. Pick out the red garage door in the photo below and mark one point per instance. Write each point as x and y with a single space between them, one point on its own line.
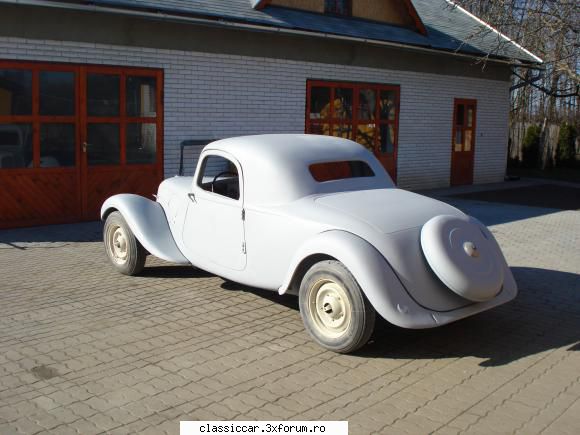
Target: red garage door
70 136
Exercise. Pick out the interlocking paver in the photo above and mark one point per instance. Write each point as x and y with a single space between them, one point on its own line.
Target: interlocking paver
85 350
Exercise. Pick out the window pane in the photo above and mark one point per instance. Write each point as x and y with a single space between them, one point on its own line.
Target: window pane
343 103
458 140
103 95
460 114
343 130
366 104
388 105
103 146
15 92
340 170
141 97
339 7
468 139
470 117
320 129
220 176
141 143
366 136
57 145
57 93
387 139
15 146
319 102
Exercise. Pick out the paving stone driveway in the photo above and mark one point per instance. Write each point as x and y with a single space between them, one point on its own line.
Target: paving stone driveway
85 350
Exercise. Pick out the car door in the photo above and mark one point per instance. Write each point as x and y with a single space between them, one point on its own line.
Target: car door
213 230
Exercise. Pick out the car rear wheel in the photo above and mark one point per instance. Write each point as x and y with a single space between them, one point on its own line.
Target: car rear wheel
123 249
335 311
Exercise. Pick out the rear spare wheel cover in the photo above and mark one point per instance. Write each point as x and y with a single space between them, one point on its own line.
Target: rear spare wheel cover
463 257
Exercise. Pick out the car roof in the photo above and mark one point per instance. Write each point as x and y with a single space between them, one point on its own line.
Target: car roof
275 167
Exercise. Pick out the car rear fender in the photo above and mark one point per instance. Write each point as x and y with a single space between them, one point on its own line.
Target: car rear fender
371 271
148 222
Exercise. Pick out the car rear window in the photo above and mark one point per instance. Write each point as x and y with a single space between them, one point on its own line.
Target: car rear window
330 171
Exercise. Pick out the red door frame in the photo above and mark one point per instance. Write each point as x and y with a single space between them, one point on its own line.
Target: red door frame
463 162
390 163
122 120
79 119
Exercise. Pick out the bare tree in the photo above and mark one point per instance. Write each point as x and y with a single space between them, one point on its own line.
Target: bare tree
547 93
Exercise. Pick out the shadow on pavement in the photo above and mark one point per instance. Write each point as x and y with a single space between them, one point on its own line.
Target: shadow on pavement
23 238
544 316
516 204
288 301
545 195
174 272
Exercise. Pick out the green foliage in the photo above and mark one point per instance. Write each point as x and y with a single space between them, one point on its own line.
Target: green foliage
566 153
531 147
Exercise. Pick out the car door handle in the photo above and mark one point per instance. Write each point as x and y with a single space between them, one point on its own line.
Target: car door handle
192 197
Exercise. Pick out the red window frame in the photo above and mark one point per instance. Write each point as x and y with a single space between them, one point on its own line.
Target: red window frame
335 9
388 159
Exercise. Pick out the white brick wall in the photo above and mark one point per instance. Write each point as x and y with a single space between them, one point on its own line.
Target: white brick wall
215 96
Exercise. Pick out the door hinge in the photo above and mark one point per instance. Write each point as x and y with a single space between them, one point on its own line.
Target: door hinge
243 247
243 214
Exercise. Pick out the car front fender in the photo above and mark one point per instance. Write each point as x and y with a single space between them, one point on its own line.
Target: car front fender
148 222
371 271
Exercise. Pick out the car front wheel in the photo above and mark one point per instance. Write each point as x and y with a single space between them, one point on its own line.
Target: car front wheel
335 311
123 249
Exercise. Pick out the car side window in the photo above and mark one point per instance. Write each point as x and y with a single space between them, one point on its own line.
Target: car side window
220 176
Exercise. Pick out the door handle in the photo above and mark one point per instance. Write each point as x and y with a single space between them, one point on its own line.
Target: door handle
192 197
85 145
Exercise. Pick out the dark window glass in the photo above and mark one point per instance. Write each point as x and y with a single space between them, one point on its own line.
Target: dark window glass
387 139
388 105
103 144
319 102
57 145
103 94
338 7
141 143
460 114
15 146
220 176
343 103
141 97
15 92
330 171
367 104
57 93
365 135
342 130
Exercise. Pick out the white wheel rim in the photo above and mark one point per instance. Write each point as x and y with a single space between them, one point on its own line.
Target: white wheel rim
118 246
330 308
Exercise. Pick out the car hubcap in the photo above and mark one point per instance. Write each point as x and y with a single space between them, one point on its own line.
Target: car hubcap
118 247
330 308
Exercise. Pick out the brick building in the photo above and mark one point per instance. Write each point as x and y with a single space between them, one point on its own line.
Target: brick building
96 96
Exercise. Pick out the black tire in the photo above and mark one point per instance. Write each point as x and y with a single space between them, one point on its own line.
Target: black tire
337 325
116 236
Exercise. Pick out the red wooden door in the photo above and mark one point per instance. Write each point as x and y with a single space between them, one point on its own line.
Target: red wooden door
463 142
39 139
121 134
71 136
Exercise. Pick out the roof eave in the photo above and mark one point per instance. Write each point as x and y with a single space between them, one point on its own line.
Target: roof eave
223 23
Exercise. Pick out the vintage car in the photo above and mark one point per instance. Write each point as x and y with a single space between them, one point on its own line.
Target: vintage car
318 217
